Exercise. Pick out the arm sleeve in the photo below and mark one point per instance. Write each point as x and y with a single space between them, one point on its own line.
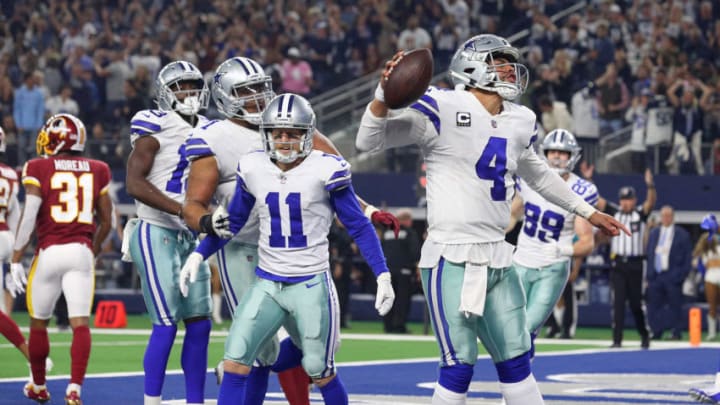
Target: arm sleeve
404 128
550 185
359 227
27 224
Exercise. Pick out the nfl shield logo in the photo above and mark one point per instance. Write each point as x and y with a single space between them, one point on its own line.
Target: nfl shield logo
493 123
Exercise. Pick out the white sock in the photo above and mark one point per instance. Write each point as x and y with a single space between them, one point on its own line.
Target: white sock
73 387
217 307
443 396
152 400
525 392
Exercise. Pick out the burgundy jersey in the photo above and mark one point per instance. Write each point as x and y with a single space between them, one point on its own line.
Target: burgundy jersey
8 191
70 187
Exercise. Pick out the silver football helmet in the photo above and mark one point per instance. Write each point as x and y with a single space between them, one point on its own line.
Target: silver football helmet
562 140
293 112
238 83
473 65
167 87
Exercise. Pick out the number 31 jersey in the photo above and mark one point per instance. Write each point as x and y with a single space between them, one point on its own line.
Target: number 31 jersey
70 187
546 222
294 210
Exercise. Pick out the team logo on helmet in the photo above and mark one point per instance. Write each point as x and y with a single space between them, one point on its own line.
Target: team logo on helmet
61 132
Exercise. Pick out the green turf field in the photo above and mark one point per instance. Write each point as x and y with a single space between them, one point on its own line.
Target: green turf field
121 350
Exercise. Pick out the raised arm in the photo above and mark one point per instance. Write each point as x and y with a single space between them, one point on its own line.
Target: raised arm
651 197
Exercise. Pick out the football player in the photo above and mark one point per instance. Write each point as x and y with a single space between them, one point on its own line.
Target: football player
241 90
545 245
474 141
296 192
158 240
64 195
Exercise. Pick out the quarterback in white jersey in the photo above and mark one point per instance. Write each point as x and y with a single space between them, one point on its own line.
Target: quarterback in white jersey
296 192
474 142
546 241
158 241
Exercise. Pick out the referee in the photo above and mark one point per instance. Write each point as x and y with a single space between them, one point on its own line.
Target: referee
627 258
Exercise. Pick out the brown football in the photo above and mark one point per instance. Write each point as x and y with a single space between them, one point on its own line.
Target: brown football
409 78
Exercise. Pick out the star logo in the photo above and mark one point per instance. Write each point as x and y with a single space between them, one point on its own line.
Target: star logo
216 78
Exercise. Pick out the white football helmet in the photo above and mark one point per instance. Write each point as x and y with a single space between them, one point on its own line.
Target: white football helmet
238 83
562 140
288 111
473 65
167 87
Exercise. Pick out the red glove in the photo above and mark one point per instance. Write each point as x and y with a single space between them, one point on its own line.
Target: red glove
387 220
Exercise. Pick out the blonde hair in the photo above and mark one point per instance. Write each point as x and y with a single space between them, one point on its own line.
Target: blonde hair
704 246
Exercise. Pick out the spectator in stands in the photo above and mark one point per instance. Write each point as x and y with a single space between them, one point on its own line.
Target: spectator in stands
687 125
637 115
29 115
612 98
668 263
414 36
447 38
296 73
62 103
586 122
459 10
555 114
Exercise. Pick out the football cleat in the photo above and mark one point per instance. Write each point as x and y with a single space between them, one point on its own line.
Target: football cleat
710 395
73 398
37 394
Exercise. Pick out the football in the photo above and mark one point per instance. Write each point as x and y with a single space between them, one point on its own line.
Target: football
409 78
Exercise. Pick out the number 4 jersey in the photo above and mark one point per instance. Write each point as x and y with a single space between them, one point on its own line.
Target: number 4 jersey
69 187
546 222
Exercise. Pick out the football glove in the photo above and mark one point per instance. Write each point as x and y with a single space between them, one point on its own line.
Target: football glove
385 295
17 273
217 223
384 218
189 272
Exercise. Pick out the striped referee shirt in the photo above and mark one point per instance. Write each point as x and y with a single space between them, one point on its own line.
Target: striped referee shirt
635 221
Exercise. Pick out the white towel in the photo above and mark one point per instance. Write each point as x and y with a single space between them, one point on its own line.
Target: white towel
127 234
474 289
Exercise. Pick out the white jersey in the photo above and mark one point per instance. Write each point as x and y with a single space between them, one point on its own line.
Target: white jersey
659 122
294 210
546 222
471 157
227 142
170 167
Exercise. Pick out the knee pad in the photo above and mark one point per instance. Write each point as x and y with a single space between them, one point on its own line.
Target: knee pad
456 378
515 369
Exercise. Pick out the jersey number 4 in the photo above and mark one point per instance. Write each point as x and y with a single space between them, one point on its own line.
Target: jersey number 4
75 198
492 166
296 239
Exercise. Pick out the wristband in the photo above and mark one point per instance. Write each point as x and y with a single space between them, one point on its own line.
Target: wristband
380 93
566 250
206 225
370 210
585 210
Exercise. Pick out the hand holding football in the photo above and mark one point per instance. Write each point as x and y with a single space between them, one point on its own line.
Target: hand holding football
409 78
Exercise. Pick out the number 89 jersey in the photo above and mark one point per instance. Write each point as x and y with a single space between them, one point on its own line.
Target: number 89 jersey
70 187
545 222
294 210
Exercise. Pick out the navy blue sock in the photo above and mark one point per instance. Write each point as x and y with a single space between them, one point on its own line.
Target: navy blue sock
156 358
289 357
257 385
194 359
334 392
232 389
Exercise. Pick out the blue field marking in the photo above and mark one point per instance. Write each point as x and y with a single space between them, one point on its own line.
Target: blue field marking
657 376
